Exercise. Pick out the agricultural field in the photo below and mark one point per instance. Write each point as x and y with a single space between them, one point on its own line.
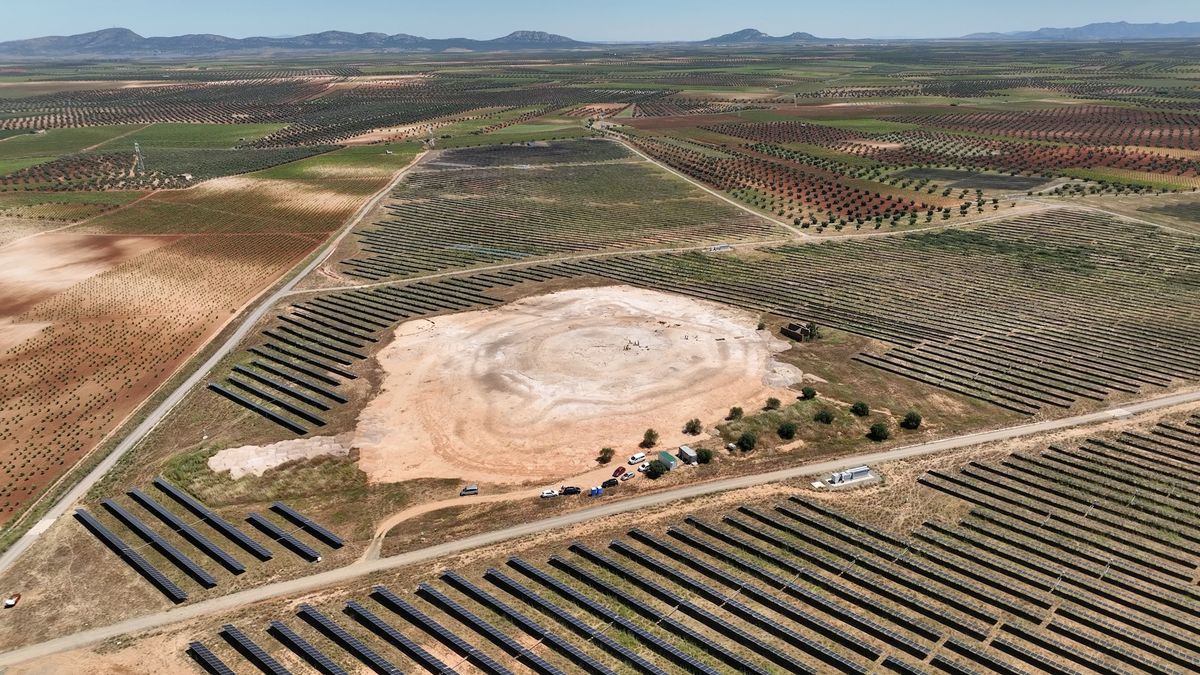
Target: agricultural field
356 285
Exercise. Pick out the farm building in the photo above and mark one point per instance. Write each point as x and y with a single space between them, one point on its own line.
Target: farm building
687 454
668 459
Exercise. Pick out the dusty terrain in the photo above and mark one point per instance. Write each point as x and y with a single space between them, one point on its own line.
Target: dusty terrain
34 268
535 388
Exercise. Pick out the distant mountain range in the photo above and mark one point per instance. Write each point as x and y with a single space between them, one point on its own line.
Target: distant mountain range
124 43
114 43
1114 30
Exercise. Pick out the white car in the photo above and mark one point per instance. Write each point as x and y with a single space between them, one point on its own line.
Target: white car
634 459
627 475
643 467
546 494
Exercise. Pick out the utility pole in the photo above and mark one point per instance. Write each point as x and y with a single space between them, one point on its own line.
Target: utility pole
139 166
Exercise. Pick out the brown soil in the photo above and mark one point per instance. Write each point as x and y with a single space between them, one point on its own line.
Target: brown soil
533 389
35 268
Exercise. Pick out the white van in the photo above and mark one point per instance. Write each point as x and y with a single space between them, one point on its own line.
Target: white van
634 459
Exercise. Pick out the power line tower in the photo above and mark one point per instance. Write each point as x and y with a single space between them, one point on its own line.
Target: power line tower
139 166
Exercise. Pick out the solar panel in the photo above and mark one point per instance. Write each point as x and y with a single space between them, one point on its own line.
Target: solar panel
578 657
135 559
951 667
271 529
335 335
1042 663
324 341
981 657
247 403
897 666
397 639
186 531
746 613
307 524
677 628
847 616
265 367
161 545
570 620
418 618
307 317
314 656
347 641
817 579
282 388
296 367
207 660
783 608
218 523
465 616
304 346
274 400
662 646
250 649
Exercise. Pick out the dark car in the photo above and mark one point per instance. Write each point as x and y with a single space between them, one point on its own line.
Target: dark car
610 483
569 490
619 470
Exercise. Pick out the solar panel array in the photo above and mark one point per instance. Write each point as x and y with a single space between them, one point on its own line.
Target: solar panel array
135 559
275 532
307 524
172 552
1024 583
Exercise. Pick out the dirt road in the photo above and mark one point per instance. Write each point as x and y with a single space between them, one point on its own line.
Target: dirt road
147 425
361 568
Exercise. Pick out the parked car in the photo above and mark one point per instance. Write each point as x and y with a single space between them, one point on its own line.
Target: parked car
618 471
642 468
549 493
569 490
627 475
12 600
468 491
634 459
611 482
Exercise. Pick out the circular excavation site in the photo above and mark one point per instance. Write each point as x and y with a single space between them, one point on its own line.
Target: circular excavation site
533 389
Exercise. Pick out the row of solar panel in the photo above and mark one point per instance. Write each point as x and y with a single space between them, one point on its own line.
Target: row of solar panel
182 560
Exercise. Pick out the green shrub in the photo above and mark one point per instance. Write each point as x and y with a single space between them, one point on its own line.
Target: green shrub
912 420
735 414
824 416
747 441
606 455
860 409
704 455
808 393
787 431
657 468
879 432
649 439
773 403
693 427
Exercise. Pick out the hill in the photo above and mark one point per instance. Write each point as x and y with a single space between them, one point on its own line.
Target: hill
1113 30
752 36
124 43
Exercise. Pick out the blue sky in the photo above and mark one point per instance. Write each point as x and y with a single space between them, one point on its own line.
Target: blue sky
580 19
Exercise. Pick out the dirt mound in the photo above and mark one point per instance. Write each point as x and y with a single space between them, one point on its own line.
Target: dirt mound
535 388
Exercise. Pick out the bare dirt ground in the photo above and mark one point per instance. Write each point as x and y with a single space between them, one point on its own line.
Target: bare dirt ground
257 459
533 389
36 268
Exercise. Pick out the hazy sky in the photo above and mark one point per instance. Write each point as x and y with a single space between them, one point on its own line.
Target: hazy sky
605 20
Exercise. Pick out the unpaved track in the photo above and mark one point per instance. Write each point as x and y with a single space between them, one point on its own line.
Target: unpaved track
248 321
355 571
